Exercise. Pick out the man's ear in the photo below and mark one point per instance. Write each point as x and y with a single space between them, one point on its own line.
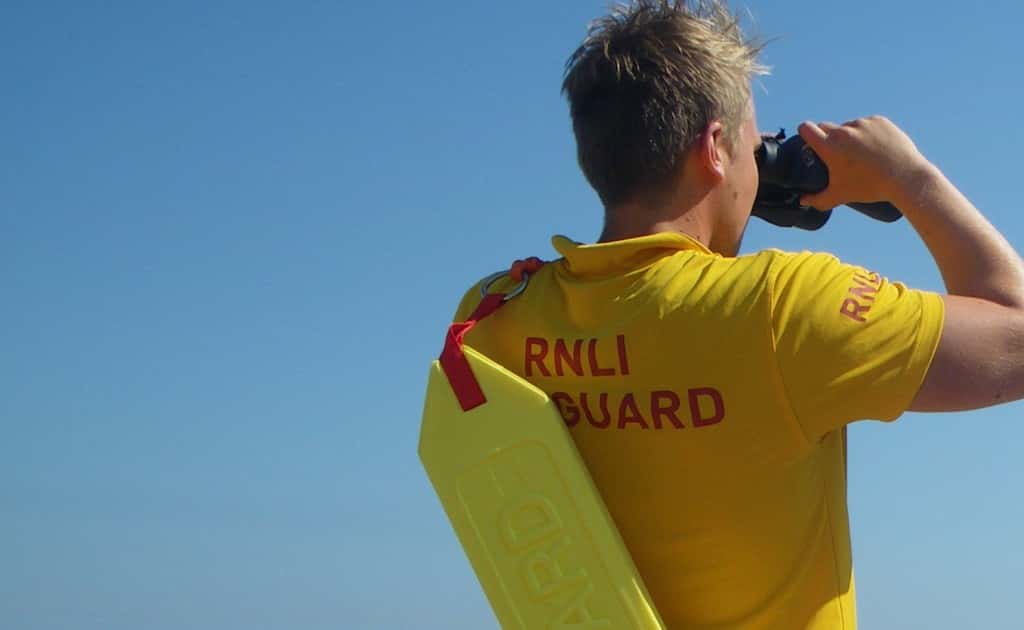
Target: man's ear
711 150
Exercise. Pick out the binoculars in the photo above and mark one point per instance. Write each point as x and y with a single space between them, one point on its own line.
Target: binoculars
788 169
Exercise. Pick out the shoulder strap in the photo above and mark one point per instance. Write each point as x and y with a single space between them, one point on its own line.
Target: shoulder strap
453 359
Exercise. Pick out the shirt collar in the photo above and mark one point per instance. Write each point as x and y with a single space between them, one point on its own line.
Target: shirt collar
630 253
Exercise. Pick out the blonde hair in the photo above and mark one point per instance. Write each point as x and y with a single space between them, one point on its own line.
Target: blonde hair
646 82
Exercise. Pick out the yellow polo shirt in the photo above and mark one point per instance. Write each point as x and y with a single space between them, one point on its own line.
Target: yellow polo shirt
707 397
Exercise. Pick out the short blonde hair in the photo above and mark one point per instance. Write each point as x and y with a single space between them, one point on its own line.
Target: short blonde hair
645 83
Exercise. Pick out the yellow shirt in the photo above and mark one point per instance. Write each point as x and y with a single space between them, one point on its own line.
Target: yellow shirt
707 396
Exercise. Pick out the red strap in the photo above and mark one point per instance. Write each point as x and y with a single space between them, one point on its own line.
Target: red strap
453 359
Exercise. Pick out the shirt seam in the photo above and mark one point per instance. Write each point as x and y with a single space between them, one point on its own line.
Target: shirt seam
775 361
808 443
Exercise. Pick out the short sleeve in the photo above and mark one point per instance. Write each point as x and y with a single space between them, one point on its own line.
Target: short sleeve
849 344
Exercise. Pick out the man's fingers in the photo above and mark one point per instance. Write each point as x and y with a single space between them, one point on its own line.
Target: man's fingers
812 134
816 136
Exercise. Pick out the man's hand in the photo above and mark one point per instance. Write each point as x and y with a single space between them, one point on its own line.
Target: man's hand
869 159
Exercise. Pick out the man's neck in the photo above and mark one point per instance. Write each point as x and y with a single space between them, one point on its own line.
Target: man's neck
630 222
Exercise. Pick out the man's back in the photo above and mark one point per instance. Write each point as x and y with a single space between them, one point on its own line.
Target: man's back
708 393
682 377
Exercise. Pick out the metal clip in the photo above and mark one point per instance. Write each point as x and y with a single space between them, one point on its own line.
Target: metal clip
485 286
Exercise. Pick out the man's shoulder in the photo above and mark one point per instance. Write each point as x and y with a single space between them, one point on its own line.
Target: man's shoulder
780 258
781 266
471 297
498 282
761 269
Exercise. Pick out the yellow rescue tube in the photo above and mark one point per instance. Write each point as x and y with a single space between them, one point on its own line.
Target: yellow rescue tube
525 509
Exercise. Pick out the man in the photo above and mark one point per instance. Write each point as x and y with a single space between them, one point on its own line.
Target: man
708 392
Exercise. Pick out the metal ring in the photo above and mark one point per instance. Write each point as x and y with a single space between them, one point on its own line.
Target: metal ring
485 285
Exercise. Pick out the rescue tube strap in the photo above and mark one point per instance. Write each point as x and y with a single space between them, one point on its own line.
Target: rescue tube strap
453 359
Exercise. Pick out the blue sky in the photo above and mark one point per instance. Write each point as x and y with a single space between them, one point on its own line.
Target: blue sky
231 237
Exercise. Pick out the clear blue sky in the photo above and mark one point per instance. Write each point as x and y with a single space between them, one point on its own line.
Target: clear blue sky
232 234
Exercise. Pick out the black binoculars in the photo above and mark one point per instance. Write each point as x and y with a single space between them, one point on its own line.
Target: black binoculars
788 169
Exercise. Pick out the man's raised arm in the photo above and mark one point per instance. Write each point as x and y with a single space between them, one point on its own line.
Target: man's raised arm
980 357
